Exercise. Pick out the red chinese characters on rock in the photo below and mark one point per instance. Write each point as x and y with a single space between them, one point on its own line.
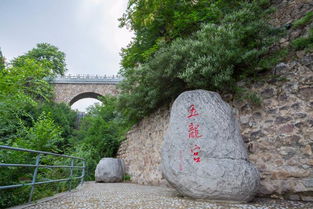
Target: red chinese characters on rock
192 111
195 152
193 132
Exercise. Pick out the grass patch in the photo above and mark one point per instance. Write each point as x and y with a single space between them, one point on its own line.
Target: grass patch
244 94
126 177
308 18
303 42
276 57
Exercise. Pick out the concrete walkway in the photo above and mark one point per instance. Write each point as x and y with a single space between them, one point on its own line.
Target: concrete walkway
132 196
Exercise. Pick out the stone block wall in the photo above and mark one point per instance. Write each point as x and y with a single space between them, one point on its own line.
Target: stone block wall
278 134
141 150
289 10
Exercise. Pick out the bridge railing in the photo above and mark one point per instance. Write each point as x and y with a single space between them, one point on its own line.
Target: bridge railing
37 165
86 78
83 76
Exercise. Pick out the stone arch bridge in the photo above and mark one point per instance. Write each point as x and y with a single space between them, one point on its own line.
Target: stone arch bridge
71 88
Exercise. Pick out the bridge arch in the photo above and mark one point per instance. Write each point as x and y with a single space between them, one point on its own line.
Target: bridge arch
70 89
84 95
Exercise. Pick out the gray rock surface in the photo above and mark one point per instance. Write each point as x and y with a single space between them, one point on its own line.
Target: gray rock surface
203 154
110 170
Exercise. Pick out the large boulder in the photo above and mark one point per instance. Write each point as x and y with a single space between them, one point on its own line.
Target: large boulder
110 170
203 154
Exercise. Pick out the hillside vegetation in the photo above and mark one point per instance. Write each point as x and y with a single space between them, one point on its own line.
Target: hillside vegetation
183 45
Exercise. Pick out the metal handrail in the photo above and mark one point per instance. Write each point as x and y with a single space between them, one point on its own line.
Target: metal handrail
37 166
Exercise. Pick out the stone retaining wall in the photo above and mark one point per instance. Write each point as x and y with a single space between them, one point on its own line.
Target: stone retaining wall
141 150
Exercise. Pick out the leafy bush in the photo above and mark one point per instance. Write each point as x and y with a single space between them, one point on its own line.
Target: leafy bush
44 135
20 89
165 20
63 117
213 58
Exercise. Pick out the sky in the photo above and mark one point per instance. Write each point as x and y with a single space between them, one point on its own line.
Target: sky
86 30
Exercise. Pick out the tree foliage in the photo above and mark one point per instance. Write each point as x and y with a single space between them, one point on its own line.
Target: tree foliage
63 116
24 88
48 54
2 61
234 43
20 88
155 21
44 135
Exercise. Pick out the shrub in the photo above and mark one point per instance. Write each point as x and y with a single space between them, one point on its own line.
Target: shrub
213 58
44 135
63 117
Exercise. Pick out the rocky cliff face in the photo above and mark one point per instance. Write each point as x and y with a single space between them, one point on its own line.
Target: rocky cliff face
278 134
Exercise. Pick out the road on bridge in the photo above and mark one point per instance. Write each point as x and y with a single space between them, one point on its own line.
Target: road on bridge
132 196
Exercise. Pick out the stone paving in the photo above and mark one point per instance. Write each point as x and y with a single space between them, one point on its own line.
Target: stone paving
132 196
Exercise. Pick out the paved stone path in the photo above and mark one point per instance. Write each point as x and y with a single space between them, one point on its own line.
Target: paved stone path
132 196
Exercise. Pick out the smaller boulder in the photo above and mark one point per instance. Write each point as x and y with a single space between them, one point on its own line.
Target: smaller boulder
110 170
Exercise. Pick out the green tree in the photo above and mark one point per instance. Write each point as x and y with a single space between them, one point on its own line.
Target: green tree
63 117
20 88
231 46
2 61
62 114
156 21
44 135
48 54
